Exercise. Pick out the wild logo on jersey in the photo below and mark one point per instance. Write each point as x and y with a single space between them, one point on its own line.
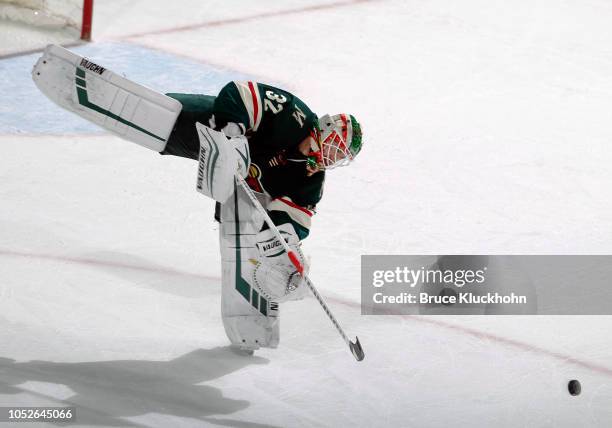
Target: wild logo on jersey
254 178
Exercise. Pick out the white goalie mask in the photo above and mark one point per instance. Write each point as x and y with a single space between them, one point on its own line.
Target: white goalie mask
340 139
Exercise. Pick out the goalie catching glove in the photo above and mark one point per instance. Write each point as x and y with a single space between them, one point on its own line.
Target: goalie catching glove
274 274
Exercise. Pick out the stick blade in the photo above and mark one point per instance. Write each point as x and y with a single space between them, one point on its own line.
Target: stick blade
356 349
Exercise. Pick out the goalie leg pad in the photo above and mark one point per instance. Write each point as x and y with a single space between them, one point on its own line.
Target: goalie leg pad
219 160
250 319
125 108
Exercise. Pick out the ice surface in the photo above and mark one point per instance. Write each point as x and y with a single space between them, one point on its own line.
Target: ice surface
488 128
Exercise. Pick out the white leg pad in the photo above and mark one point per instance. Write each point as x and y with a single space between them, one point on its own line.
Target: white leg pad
251 321
125 108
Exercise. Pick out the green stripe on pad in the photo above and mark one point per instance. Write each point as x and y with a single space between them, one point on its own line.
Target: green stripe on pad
254 298
243 287
84 101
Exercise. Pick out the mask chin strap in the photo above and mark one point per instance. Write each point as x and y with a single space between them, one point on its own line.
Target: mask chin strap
314 158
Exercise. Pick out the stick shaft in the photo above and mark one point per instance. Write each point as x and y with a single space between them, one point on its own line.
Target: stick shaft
292 256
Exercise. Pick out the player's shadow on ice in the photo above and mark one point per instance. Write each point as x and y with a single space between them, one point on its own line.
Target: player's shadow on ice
106 392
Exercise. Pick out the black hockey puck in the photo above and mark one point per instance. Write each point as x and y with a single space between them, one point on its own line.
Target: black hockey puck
574 387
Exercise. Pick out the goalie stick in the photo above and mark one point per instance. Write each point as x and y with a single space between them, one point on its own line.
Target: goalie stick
355 347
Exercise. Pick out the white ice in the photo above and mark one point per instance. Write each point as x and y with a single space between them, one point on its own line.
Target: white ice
488 127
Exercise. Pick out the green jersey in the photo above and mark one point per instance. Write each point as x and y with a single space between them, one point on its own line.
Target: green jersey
275 122
273 119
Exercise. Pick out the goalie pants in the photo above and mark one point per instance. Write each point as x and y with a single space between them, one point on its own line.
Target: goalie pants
183 140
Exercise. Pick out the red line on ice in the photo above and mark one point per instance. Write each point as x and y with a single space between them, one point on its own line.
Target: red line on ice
416 318
97 262
431 320
254 17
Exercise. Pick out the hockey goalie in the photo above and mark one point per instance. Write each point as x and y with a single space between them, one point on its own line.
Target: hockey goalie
262 133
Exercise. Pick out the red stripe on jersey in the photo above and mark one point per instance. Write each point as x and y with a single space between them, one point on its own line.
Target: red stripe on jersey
296 206
255 109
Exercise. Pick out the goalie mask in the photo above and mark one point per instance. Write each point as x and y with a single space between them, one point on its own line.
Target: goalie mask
340 140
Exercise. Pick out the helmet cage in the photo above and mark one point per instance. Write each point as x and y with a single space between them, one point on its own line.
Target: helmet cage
335 132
